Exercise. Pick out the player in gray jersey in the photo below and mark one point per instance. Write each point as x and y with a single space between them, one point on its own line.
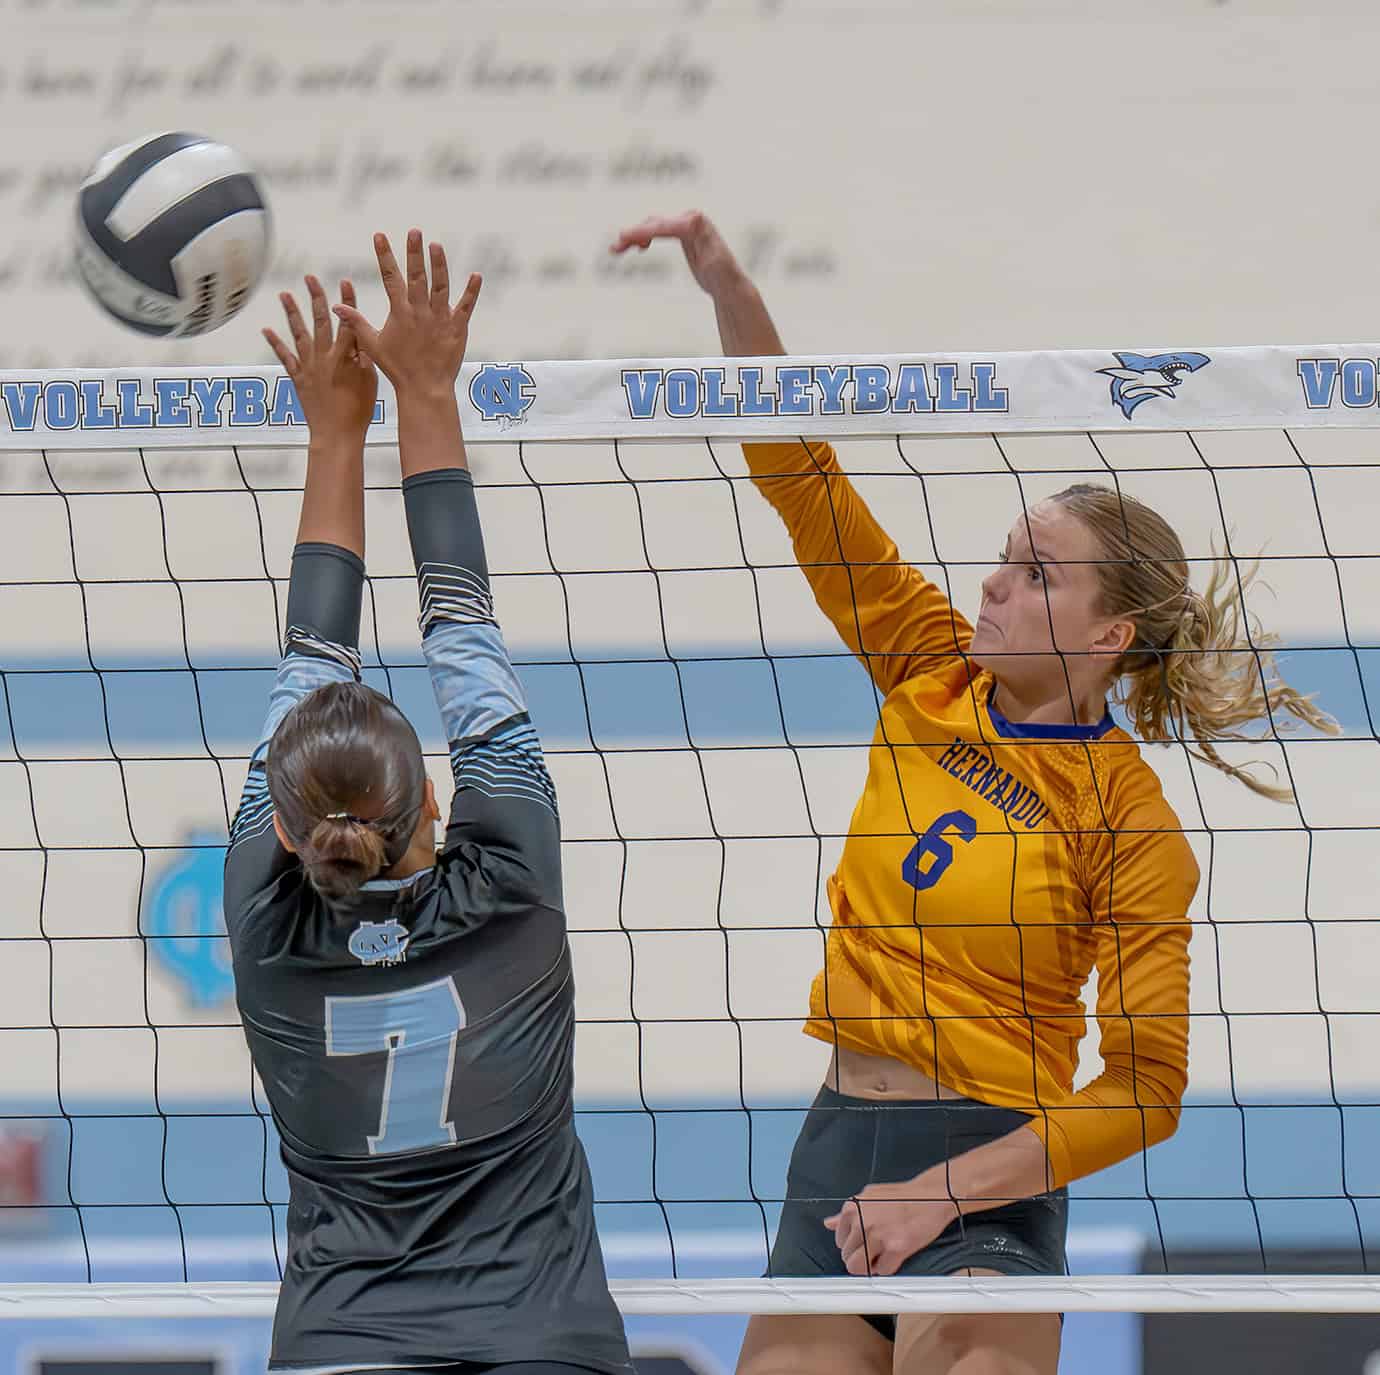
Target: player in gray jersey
410 1013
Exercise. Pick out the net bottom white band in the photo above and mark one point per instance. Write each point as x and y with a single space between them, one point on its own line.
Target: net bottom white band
1042 1294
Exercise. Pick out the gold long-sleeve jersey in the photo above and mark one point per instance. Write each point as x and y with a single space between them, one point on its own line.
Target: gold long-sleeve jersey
990 865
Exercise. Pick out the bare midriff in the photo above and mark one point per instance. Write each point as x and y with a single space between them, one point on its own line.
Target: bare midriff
858 1075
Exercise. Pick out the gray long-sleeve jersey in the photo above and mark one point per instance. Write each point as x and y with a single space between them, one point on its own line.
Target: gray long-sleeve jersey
416 1046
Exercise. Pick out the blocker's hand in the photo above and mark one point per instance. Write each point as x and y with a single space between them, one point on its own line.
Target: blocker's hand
422 343
880 1229
335 383
710 259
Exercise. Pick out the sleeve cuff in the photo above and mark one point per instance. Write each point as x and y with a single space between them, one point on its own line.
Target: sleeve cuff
438 475
1051 1133
325 594
447 548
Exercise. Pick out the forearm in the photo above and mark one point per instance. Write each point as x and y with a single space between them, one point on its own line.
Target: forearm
1012 1167
881 607
471 674
447 547
333 498
746 329
429 437
321 643
325 598
1120 1114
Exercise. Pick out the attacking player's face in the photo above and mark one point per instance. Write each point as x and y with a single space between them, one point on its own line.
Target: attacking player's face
1043 600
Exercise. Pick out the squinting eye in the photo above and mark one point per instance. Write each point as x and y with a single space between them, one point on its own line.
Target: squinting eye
1037 574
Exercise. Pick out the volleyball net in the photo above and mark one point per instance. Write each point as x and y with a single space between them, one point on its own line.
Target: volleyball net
708 737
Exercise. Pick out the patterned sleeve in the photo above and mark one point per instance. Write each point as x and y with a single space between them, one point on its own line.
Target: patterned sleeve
325 594
893 618
503 839
1143 876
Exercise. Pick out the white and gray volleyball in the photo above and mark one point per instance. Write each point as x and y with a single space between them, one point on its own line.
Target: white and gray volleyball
172 234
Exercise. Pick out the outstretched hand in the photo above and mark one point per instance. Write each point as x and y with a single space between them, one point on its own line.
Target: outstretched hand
335 383
422 343
710 259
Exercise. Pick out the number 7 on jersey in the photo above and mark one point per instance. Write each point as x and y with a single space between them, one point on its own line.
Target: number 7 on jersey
418 1027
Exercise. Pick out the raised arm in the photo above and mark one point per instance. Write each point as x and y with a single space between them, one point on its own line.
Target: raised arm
336 388
503 824
895 620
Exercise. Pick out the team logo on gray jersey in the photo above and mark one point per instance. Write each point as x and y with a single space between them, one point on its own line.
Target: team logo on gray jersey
379 942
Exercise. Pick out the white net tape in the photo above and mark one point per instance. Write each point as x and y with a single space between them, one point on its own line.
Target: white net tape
1033 1294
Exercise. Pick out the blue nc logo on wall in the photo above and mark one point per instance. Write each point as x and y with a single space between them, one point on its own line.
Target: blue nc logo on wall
503 392
1149 377
184 920
379 942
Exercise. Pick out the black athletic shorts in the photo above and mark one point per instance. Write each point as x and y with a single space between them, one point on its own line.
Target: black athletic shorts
848 1143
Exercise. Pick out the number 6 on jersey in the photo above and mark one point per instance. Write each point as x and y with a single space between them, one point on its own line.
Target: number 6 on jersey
933 846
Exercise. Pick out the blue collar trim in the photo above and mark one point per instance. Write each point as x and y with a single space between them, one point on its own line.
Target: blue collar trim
391 885
1031 730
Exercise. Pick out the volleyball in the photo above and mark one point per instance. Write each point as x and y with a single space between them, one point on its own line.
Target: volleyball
172 234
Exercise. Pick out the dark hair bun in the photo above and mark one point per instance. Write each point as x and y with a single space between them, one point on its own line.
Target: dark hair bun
343 749
343 853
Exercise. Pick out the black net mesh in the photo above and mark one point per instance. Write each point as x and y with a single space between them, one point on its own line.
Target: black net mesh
708 736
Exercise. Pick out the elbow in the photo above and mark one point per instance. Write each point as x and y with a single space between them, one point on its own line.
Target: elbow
1163 1098
1155 1090
1162 1122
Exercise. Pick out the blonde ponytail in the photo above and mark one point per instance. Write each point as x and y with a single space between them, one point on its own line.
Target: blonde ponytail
1196 670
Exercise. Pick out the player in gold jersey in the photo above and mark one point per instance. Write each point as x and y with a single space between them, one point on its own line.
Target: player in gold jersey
1009 840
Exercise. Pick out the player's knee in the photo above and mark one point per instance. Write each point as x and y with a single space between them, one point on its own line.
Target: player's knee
946 1336
813 1344
780 1358
939 1341
1005 1341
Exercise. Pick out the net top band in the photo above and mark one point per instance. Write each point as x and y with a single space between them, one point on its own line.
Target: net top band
1103 391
